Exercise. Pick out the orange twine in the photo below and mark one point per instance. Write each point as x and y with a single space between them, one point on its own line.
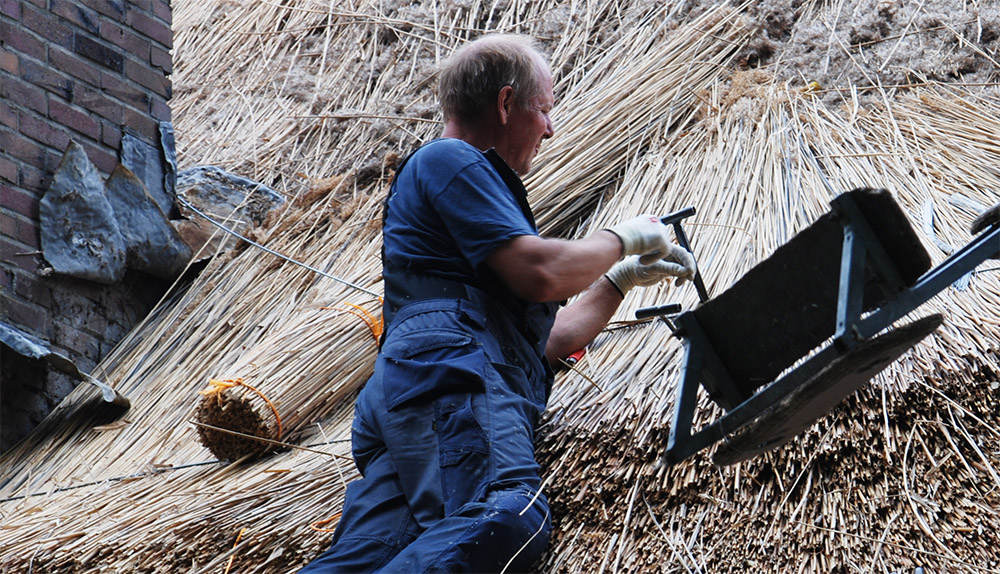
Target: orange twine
376 325
217 386
316 525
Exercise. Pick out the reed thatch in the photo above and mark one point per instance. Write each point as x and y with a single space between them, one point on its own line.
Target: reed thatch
657 109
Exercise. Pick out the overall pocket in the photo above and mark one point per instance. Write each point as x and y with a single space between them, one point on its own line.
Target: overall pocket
424 366
464 450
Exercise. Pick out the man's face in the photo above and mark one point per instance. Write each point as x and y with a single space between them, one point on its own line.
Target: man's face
529 126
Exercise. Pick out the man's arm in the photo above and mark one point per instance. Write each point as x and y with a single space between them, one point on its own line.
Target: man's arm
541 270
578 323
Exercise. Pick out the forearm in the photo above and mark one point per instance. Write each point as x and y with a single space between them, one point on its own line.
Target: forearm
577 324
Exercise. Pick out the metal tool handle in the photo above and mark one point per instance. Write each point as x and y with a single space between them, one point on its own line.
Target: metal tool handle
674 219
677 216
668 309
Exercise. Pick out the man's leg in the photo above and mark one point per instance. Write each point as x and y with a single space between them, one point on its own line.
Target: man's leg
493 521
376 521
506 532
456 476
375 525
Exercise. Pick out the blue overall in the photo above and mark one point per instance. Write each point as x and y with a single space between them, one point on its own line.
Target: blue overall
443 432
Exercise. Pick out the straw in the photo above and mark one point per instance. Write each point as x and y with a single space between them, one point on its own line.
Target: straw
320 100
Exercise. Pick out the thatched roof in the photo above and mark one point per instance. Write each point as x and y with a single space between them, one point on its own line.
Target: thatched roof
657 109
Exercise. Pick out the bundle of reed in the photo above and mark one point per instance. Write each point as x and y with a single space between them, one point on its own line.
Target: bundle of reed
239 301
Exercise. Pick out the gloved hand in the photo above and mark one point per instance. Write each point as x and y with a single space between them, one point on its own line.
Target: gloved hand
644 236
631 272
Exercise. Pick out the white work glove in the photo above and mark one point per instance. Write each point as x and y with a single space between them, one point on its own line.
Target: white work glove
644 236
631 272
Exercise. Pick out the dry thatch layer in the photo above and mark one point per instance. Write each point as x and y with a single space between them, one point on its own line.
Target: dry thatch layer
654 114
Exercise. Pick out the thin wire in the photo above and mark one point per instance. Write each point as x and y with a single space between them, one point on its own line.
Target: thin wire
273 252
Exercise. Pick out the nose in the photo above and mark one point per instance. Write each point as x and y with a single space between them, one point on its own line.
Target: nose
549 129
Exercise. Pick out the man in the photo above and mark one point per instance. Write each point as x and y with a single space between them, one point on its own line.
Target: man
443 431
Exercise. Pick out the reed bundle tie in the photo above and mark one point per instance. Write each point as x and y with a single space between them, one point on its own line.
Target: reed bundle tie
217 386
375 324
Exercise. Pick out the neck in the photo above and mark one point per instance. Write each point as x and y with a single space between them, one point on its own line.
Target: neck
482 138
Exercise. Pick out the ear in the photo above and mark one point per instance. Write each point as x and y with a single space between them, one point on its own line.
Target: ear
505 104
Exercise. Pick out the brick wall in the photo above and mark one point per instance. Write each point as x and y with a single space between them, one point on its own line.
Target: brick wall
91 71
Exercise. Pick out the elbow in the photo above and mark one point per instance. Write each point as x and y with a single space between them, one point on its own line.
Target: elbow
538 285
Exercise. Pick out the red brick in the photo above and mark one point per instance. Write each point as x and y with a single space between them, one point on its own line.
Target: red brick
52 29
125 39
6 280
76 342
34 289
99 52
8 248
75 66
162 59
20 40
160 110
8 169
8 117
43 131
11 8
36 179
123 91
74 119
73 304
162 10
23 313
8 62
151 27
114 9
8 225
22 94
22 229
95 101
111 134
45 77
101 157
19 201
16 254
81 288
142 74
29 234
94 323
22 148
76 14
142 125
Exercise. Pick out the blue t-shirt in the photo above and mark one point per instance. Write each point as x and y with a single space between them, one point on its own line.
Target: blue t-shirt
449 210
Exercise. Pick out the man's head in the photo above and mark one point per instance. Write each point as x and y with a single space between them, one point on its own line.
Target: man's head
497 92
